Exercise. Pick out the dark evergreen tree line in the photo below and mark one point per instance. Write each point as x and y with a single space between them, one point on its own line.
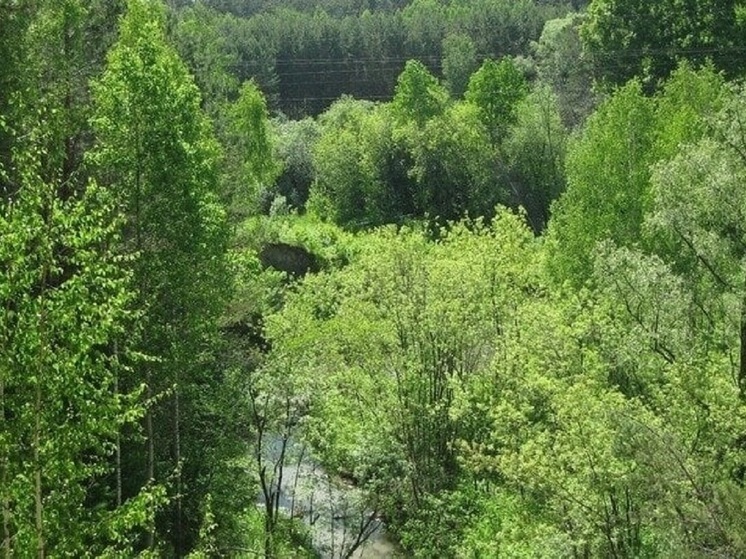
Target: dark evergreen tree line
305 59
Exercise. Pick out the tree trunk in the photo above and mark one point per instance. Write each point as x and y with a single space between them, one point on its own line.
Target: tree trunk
38 502
177 456
3 482
151 448
38 405
118 451
742 364
148 372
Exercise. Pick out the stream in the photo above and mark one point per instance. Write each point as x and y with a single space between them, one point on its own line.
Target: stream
340 526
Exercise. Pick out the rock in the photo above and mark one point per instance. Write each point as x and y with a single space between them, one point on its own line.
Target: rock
294 260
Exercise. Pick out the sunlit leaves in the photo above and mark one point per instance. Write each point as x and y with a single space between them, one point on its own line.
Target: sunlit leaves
496 88
156 151
607 182
389 339
418 96
67 303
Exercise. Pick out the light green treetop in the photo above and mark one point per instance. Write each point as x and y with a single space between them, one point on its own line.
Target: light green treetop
418 96
496 88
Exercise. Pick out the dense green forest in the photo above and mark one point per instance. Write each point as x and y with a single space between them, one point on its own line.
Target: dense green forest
481 262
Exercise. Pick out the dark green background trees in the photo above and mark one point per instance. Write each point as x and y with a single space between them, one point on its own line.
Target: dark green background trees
304 56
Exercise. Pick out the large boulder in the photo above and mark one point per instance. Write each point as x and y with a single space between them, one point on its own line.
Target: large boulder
292 259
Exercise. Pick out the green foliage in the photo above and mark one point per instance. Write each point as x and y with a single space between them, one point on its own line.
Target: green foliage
69 323
492 394
452 166
459 62
250 118
667 314
496 88
330 244
562 63
67 334
359 161
395 332
426 23
250 153
687 101
305 55
415 156
202 42
418 96
645 40
535 155
501 28
607 182
489 413
584 431
609 164
54 56
156 150
436 527
698 211
294 145
346 188
13 79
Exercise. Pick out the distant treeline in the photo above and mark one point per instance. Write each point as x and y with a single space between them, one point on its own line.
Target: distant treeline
304 55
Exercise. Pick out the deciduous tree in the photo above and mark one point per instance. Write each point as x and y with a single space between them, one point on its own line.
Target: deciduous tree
629 38
496 88
67 329
156 150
